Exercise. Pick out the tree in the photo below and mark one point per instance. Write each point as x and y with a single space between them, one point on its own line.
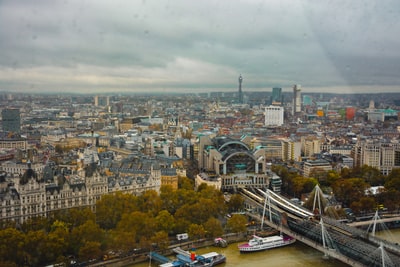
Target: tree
349 190
149 202
237 223
196 231
161 239
139 222
393 180
372 175
36 246
90 250
236 203
364 205
87 232
12 243
331 177
165 221
110 208
169 198
122 240
213 227
58 239
185 183
390 199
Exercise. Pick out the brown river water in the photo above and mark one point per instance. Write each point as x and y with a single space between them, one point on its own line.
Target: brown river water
294 255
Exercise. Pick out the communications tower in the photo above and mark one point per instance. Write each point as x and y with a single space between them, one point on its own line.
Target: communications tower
240 99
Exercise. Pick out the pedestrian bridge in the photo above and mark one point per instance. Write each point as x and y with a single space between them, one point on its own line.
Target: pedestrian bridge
334 239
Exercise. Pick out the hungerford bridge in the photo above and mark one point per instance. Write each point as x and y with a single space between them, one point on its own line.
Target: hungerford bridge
334 239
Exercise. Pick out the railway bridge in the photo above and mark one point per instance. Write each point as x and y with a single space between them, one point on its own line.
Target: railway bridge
334 239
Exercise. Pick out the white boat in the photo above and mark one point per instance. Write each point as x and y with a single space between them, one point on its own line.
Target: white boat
263 243
208 259
213 257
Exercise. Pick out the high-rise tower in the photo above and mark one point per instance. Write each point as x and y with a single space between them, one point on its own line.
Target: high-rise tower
240 99
296 99
277 97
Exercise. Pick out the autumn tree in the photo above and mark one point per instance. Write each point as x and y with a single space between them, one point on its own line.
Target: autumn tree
12 247
169 198
213 227
393 180
161 239
165 221
237 223
196 231
90 250
236 203
349 190
364 205
111 207
87 232
149 202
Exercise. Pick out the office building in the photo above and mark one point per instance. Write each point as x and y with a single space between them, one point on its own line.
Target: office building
274 116
296 99
276 97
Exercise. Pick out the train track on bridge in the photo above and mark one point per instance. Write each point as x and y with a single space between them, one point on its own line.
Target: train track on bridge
334 239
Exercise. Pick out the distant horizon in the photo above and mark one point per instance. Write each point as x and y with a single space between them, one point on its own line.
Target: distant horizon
188 92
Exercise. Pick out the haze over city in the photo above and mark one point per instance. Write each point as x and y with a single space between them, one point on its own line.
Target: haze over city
176 46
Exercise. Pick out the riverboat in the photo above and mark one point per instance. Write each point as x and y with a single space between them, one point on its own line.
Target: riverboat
208 259
263 243
213 257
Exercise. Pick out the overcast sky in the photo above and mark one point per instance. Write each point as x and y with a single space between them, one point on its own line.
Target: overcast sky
172 46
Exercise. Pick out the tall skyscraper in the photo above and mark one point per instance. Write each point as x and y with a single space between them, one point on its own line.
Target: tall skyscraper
240 98
296 99
277 97
11 120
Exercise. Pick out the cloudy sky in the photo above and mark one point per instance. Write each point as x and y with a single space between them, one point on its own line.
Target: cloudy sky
94 46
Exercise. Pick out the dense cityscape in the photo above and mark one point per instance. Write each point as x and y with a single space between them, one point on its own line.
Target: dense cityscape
62 152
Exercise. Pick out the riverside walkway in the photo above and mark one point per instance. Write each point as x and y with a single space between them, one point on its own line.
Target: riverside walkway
337 240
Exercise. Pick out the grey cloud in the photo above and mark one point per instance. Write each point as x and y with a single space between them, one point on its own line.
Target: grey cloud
137 44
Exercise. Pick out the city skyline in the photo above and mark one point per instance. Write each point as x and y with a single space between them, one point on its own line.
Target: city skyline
146 46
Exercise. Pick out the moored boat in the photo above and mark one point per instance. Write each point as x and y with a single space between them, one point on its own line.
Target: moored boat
208 259
263 243
213 257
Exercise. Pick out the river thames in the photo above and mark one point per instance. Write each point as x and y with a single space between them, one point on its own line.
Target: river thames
295 255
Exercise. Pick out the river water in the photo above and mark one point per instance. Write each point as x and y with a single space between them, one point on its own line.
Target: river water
294 255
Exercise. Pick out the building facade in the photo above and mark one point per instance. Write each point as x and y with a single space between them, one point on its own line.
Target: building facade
274 116
233 162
